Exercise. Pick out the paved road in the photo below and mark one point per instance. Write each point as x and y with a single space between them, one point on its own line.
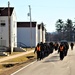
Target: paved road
51 65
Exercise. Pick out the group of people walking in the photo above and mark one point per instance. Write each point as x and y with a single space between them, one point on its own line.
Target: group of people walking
44 49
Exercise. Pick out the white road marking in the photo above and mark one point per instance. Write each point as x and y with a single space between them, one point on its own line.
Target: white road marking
23 68
29 65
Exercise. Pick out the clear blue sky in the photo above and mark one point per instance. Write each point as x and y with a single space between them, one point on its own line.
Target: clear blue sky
46 11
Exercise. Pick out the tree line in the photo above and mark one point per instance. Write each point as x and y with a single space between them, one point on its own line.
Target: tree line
65 30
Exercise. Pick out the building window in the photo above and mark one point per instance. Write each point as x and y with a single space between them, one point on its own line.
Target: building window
2 22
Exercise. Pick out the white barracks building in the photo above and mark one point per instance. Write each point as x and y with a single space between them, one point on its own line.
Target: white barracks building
21 34
30 36
4 27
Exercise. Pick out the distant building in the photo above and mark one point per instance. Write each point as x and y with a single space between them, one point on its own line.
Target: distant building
30 36
41 33
27 35
4 27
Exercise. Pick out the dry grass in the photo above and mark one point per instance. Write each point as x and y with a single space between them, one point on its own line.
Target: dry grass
1 66
20 59
25 59
14 53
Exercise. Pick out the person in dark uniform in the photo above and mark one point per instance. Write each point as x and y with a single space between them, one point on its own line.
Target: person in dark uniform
72 44
61 51
42 50
56 46
51 46
38 51
66 47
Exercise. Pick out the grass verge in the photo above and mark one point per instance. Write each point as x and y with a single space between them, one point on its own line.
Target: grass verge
18 62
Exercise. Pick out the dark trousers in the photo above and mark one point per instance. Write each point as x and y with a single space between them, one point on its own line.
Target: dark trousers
71 47
38 55
61 55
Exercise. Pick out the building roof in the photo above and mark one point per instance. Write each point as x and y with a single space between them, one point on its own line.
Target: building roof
26 24
4 11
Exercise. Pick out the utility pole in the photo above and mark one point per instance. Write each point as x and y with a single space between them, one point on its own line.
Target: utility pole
9 27
30 26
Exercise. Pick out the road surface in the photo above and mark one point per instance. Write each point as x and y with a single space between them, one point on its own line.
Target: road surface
51 65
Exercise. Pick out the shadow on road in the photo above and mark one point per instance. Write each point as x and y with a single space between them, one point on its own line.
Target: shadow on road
52 59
